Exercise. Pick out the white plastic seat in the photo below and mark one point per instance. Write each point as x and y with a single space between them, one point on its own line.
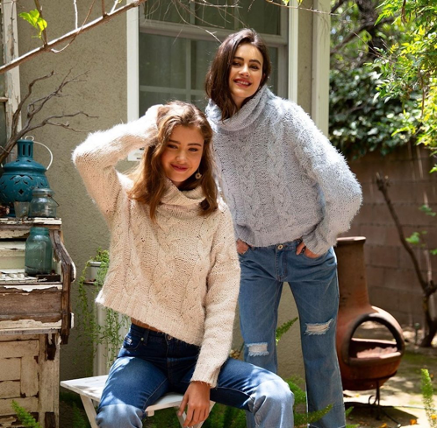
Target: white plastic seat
90 390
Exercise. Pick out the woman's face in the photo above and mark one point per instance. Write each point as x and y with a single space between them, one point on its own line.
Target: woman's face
246 73
182 154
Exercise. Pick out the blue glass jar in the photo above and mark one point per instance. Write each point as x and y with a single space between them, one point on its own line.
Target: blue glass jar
42 203
38 252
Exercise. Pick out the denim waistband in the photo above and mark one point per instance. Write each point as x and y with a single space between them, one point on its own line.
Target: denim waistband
147 332
283 245
142 330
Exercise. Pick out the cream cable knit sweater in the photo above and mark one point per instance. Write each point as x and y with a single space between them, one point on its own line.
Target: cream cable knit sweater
181 274
282 178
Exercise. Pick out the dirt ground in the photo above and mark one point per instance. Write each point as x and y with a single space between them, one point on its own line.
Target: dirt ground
401 401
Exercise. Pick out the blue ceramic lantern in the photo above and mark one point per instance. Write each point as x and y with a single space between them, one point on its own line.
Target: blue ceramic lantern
21 176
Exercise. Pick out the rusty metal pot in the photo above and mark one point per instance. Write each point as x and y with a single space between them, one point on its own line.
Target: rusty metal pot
364 363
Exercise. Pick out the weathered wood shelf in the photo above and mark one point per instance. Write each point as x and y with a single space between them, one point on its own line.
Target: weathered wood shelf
35 319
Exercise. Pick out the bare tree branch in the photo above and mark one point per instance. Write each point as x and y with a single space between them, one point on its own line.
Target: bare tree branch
353 34
48 47
34 107
75 7
429 287
74 38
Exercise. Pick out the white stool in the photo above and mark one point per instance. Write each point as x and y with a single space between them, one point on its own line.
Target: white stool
90 389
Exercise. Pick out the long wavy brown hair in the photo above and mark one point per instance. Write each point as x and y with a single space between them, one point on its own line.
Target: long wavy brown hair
216 80
149 180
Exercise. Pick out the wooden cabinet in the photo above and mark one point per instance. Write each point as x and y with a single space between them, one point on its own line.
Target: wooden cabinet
35 320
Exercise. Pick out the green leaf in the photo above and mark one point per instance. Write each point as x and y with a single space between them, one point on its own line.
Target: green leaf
427 392
414 239
284 328
427 210
33 18
24 416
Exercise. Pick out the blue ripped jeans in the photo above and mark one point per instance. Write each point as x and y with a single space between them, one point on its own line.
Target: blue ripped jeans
150 364
314 284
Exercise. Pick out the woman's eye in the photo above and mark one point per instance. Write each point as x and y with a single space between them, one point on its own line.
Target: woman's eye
194 149
255 67
235 63
171 146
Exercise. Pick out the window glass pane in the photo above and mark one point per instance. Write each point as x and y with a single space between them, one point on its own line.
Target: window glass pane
169 11
260 15
199 101
173 67
273 79
201 55
220 16
148 99
162 61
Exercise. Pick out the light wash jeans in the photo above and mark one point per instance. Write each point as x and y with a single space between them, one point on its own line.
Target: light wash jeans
151 364
314 284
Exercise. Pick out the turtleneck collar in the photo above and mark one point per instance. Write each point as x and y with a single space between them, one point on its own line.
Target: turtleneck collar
244 117
174 196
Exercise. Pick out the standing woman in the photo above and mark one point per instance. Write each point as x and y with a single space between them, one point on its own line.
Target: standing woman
290 194
174 271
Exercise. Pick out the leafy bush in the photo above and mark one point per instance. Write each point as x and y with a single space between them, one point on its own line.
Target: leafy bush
428 393
361 121
24 416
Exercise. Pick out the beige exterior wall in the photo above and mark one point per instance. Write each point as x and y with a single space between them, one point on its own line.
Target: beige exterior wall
101 55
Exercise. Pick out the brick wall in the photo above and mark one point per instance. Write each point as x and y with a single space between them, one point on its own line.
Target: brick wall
392 282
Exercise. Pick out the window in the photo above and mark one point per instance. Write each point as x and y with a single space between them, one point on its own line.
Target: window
178 39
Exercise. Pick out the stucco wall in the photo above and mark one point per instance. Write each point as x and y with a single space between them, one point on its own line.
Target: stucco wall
101 55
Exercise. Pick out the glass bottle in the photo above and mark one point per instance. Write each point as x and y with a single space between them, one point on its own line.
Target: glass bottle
42 203
38 252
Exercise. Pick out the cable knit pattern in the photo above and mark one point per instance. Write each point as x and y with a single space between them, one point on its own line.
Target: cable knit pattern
181 274
282 178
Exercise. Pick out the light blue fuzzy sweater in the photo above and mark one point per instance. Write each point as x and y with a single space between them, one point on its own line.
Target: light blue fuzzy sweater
281 177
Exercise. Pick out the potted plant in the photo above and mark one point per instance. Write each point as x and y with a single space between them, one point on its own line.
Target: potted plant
101 326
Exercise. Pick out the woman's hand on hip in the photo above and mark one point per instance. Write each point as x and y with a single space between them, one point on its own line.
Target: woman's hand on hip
197 401
242 247
302 249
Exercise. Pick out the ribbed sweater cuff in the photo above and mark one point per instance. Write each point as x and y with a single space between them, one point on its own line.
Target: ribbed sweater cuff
204 374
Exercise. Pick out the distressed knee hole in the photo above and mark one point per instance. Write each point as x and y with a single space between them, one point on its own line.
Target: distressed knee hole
257 349
318 328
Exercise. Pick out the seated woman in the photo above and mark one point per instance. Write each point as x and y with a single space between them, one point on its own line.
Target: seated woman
174 270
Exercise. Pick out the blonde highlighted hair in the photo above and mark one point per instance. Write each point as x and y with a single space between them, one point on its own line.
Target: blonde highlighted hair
149 180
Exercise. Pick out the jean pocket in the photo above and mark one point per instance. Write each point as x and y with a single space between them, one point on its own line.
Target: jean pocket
314 259
243 254
133 341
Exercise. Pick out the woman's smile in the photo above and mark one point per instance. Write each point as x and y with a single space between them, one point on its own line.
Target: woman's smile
183 154
242 82
246 73
179 168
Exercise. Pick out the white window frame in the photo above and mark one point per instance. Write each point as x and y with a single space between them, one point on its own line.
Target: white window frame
136 21
321 65
288 56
